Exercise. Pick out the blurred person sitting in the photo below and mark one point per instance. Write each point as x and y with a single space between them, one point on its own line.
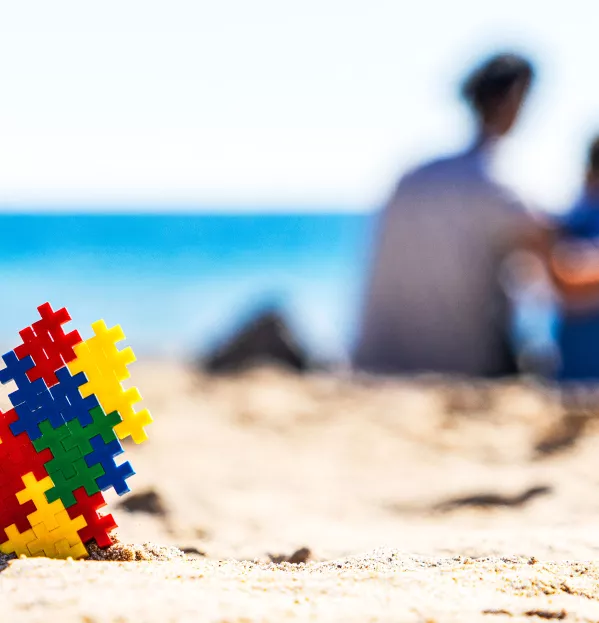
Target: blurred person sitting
576 267
434 300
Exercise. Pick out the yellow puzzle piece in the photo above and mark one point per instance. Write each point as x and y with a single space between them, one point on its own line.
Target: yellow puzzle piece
105 367
53 534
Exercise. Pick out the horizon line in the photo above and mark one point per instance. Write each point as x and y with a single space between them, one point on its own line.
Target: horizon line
180 208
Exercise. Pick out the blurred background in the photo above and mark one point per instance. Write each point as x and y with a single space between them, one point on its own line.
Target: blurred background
182 167
176 167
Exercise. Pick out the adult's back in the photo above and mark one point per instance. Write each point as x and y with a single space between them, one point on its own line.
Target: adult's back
433 300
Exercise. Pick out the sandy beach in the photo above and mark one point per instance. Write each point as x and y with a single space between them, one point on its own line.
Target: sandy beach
418 500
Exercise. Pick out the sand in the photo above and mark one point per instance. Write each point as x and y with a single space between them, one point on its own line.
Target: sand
421 500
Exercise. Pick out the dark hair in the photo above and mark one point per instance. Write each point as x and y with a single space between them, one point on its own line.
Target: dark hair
593 158
491 82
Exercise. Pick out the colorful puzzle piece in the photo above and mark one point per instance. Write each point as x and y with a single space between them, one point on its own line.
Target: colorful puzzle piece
105 367
98 526
53 533
59 442
47 344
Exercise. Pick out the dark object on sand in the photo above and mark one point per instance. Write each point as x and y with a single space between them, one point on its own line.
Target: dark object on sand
4 560
559 615
564 435
487 500
193 551
301 555
266 339
145 502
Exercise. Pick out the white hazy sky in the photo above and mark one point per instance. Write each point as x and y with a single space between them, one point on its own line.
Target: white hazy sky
275 102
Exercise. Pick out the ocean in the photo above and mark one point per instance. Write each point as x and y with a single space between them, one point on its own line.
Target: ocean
179 284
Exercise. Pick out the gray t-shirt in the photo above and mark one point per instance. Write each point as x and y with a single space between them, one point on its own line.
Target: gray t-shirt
433 301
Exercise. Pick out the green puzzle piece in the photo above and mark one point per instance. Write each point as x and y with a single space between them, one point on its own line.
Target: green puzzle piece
85 477
102 424
52 439
69 445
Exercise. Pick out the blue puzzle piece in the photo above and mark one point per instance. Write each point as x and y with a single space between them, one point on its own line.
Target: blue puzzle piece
114 475
28 394
69 400
35 411
16 370
33 402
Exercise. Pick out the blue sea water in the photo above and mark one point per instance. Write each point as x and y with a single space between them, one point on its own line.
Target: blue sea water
180 283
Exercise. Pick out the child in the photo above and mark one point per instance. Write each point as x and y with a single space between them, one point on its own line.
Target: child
576 264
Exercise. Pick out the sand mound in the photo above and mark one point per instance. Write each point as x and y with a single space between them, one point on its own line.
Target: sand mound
383 586
484 495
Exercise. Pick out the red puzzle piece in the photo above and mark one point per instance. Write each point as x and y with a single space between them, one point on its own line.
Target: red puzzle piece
18 456
98 526
47 360
11 512
49 346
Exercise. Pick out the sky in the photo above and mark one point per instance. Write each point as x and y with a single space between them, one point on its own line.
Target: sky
275 104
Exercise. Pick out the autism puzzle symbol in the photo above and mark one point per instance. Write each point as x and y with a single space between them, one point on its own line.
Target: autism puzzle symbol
59 442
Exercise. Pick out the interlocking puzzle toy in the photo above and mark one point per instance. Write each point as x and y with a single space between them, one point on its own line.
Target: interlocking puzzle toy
59 442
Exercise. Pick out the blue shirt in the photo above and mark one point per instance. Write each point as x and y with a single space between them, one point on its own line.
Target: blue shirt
582 221
579 332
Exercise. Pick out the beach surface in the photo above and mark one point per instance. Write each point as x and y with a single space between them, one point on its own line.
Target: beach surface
402 500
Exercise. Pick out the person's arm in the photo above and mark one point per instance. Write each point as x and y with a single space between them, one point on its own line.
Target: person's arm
574 268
